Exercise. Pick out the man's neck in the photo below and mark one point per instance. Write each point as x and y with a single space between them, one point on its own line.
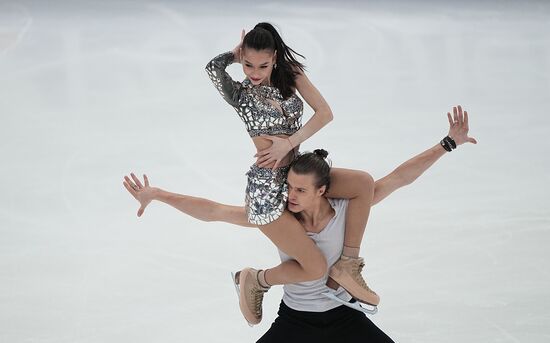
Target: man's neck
316 219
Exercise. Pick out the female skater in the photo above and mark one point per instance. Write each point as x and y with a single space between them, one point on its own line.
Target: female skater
271 111
305 313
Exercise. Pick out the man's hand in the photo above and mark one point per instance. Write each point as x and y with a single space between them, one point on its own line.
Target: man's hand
143 194
458 126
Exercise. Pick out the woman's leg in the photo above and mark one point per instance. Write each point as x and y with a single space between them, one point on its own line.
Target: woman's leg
358 186
309 264
285 232
290 237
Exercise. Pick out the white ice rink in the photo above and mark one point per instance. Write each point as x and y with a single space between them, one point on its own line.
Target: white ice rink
92 90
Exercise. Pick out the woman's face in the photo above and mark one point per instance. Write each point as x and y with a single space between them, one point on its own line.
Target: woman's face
258 65
302 193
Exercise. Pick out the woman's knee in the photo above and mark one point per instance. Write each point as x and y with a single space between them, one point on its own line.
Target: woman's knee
365 184
367 180
317 268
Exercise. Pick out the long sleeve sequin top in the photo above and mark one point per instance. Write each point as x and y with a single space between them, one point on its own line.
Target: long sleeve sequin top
252 103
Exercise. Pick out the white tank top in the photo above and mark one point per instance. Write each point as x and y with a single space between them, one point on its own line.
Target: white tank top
307 296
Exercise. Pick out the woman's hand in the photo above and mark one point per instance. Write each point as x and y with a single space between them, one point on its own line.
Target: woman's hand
237 50
143 194
458 126
275 153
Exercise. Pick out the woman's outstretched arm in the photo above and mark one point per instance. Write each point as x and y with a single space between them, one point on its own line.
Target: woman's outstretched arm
199 208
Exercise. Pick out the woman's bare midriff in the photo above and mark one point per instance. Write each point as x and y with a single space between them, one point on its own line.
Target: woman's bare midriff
264 143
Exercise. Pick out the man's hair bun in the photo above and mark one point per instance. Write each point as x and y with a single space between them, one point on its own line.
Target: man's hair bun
321 152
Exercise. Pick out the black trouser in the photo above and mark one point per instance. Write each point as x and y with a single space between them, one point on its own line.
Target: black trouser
339 325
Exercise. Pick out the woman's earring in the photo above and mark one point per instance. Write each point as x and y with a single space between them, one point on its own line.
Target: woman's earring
275 66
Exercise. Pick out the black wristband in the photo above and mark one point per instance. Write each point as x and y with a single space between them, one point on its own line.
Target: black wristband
450 141
445 145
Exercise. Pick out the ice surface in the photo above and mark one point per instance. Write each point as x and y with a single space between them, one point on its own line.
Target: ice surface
90 91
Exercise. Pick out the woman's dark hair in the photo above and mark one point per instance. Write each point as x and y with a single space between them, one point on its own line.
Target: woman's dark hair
283 77
313 163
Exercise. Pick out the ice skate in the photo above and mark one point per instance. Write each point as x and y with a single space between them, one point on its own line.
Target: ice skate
250 293
347 273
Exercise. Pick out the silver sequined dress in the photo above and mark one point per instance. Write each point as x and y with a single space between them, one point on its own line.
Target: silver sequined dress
266 190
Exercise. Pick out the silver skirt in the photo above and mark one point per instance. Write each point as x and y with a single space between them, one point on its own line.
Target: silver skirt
266 194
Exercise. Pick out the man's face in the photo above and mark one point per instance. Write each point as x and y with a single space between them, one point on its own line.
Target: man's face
302 193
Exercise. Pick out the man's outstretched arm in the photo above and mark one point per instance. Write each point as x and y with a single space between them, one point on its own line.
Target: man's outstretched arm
410 170
199 208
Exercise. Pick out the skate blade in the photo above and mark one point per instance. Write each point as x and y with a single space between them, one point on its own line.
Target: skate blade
236 284
367 308
238 290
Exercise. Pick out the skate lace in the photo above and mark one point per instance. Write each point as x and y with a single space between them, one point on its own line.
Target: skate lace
357 269
256 298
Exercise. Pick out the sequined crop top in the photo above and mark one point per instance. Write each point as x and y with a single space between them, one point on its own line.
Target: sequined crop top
252 103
